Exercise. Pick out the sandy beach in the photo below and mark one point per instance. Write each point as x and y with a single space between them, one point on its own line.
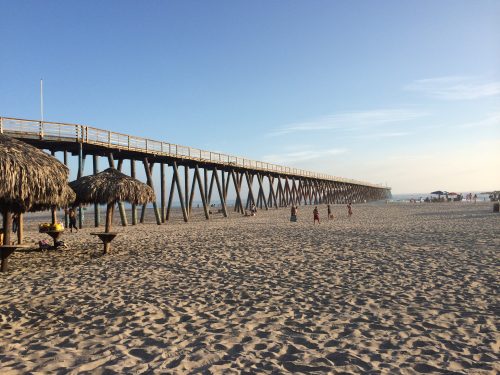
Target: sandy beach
398 288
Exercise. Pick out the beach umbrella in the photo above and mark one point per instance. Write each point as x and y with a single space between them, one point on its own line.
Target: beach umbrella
109 187
438 192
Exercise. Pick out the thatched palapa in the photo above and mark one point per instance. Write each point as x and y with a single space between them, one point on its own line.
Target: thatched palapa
30 180
111 186
29 176
66 199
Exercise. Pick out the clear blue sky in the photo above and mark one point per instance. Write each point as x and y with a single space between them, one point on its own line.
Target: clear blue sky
403 92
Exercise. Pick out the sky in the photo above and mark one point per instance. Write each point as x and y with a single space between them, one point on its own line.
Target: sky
403 93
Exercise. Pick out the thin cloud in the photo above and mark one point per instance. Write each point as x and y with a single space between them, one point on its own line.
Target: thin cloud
386 135
490 121
351 121
299 156
455 87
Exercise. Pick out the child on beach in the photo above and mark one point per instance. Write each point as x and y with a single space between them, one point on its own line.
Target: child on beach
329 209
293 214
349 209
316 214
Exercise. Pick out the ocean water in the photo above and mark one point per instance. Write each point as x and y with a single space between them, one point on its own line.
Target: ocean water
418 196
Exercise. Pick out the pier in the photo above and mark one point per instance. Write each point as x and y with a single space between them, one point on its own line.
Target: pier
252 183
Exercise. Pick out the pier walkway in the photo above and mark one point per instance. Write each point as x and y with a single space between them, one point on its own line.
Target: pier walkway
266 185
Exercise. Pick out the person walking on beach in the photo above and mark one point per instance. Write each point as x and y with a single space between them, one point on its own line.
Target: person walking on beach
72 220
316 215
349 209
329 209
293 213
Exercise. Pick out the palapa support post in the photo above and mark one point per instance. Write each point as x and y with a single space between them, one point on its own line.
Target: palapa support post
66 217
148 168
53 209
109 217
95 160
221 193
163 192
7 230
202 192
108 236
20 228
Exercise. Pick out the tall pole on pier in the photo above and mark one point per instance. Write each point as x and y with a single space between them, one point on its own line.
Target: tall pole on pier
41 99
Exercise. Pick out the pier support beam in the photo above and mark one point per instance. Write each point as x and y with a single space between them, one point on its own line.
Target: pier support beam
238 206
177 180
261 191
221 193
250 197
163 188
148 168
186 189
121 207
202 192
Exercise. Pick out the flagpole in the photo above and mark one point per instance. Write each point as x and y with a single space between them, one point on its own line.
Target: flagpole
41 98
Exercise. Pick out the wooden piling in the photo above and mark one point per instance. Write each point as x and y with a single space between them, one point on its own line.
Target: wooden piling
147 168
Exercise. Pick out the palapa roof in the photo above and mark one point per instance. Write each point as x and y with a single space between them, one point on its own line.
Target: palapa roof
66 199
29 176
110 186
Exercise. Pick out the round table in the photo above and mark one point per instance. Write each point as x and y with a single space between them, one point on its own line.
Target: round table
55 234
106 239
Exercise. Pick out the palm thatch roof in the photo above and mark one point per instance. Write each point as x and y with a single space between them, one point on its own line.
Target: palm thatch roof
111 186
29 176
66 199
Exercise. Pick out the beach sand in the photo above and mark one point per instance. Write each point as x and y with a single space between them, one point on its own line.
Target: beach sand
398 288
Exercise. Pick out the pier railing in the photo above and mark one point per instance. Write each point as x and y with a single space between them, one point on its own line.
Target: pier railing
64 132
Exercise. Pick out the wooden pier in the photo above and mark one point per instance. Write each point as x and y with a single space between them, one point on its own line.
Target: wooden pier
252 183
